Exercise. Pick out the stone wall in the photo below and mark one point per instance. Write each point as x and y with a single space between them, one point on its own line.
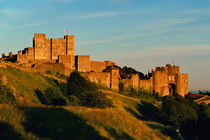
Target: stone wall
30 53
101 78
52 67
115 78
58 47
132 82
146 84
97 66
23 58
67 60
82 63
127 83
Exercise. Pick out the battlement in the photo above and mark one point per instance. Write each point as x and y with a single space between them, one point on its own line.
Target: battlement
69 37
160 69
40 35
171 69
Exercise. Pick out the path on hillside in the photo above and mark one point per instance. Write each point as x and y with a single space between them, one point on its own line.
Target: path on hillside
111 92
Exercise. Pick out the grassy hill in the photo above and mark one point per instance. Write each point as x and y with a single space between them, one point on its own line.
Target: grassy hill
29 119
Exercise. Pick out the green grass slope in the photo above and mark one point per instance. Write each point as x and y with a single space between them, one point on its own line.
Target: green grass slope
128 119
25 84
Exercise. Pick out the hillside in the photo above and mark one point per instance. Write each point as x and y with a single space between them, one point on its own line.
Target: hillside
128 119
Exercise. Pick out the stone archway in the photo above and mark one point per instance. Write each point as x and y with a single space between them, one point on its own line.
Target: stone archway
172 89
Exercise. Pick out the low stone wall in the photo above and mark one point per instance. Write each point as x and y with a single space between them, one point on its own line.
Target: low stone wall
68 61
101 78
52 67
23 58
97 66
82 63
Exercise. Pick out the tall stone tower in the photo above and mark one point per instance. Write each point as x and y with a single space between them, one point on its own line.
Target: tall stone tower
42 47
70 49
182 84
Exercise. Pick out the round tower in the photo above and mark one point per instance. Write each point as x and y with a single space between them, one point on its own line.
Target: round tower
156 80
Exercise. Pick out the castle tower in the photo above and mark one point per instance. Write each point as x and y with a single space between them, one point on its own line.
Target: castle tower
160 80
115 78
182 84
70 49
156 81
42 47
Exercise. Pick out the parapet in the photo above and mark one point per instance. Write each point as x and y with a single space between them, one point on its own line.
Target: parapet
160 69
69 36
40 35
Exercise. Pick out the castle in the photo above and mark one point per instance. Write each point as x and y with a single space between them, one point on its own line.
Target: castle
164 80
60 53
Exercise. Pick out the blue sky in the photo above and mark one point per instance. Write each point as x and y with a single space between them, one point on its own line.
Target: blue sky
139 33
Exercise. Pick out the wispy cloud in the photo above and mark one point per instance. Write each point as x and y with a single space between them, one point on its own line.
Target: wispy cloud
127 44
196 11
27 25
14 13
66 1
117 38
119 1
93 15
160 52
3 25
160 25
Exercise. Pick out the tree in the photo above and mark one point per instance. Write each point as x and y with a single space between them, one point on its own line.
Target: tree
85 93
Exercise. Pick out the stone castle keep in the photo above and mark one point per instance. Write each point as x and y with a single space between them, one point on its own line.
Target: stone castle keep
59 54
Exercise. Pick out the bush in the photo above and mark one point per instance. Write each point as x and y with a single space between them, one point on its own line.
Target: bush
175 113
74 100
85 93
48 72
180 113
203 121
53 96
121 86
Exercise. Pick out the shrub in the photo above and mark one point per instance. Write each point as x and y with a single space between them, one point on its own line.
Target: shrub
203 121
179 113
53 96
48 72
74 100
86 93
121 86
175 113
